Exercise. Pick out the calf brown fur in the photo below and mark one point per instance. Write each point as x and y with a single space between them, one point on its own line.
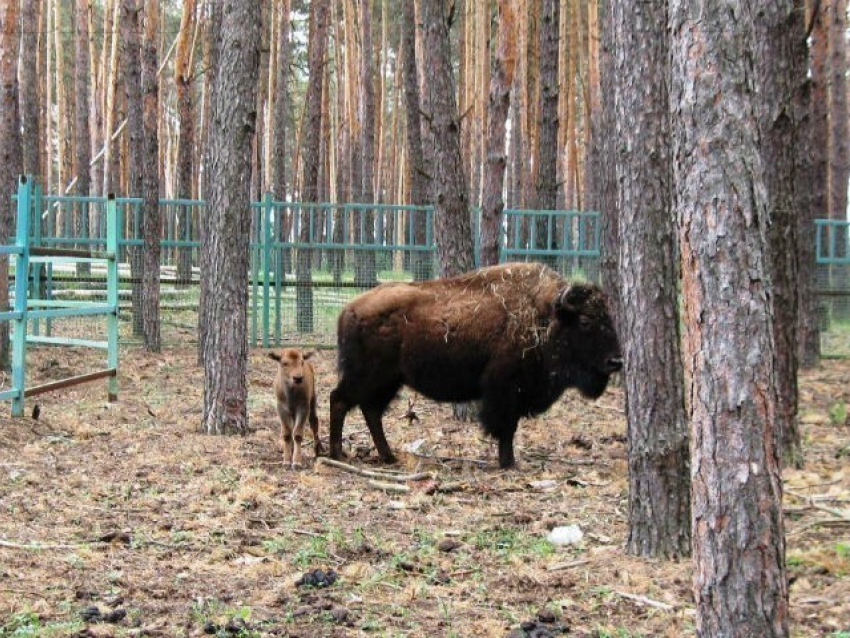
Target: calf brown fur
295 389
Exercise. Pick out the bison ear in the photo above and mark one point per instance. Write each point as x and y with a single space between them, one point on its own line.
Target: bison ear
274 355
571 300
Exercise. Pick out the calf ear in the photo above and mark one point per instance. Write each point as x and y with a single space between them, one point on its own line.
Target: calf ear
309 354
274 355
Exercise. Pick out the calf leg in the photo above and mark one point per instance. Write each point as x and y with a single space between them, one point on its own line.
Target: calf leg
298 437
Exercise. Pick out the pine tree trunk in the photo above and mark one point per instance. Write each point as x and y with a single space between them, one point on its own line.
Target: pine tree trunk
233 122
83 133
546 187
450 196
740 584
150 182
310 152
420 261
365 274
30 112
110 175
659 486
212 33
501 80
782 67
130 32
839 153
812 103
183 78
11 153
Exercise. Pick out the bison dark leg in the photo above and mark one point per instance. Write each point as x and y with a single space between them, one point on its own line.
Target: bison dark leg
499 420
339 408
373 413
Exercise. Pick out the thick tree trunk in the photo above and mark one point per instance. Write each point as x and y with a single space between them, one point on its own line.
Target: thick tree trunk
311 141
82 130
740 584
604 192
150 182
11 153
420 262
546 187
813 187
659 486
30 111
233 122
839 152
212 33
183 78
452 227
781 67
130 33
365 274
501 81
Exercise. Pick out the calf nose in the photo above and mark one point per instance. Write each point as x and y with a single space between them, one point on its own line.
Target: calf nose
615 364
297 380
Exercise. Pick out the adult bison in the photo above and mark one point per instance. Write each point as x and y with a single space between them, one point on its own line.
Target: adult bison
514 336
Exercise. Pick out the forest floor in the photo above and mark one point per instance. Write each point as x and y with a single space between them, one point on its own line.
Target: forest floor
122 520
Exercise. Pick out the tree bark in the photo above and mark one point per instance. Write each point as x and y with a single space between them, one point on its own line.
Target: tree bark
420 262
151 217
781 66
452 227
839 153
365 274
659 503
813 187
82 130
546 186
740 584
183 79
11 153
233 122
130 32
310 147
29 107
501 80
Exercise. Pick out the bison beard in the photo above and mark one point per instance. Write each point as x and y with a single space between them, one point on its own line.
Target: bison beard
514 336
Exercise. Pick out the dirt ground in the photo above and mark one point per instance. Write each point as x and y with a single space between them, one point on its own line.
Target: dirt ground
122 520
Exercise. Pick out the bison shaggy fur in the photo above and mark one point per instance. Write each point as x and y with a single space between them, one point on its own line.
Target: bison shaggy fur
514 336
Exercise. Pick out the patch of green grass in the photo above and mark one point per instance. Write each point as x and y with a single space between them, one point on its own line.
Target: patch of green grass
619 632
838 413
843 550
315 549
513 541
29 625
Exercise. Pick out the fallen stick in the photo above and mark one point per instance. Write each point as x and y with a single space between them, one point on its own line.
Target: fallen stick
41 546
559 566
823 508
826 523
401 478
645 601
389 487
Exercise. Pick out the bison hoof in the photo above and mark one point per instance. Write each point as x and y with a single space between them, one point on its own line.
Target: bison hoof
388 459
338 455
319 449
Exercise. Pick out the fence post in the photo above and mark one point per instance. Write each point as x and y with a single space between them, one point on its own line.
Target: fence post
22 269
266 234
112 294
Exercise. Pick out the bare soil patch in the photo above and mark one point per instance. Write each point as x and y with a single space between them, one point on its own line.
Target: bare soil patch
122 520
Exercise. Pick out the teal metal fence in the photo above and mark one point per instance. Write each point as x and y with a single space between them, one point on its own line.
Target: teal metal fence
343 249
31 305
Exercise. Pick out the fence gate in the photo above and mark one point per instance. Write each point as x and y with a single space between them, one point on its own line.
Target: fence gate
27 261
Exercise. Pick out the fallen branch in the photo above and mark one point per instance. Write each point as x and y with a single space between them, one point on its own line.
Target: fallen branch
560 566
829 510
389 487
645 601
826 522
42 546
401 478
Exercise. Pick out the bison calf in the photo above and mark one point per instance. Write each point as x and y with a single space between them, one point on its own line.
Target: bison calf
514 336
295 389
